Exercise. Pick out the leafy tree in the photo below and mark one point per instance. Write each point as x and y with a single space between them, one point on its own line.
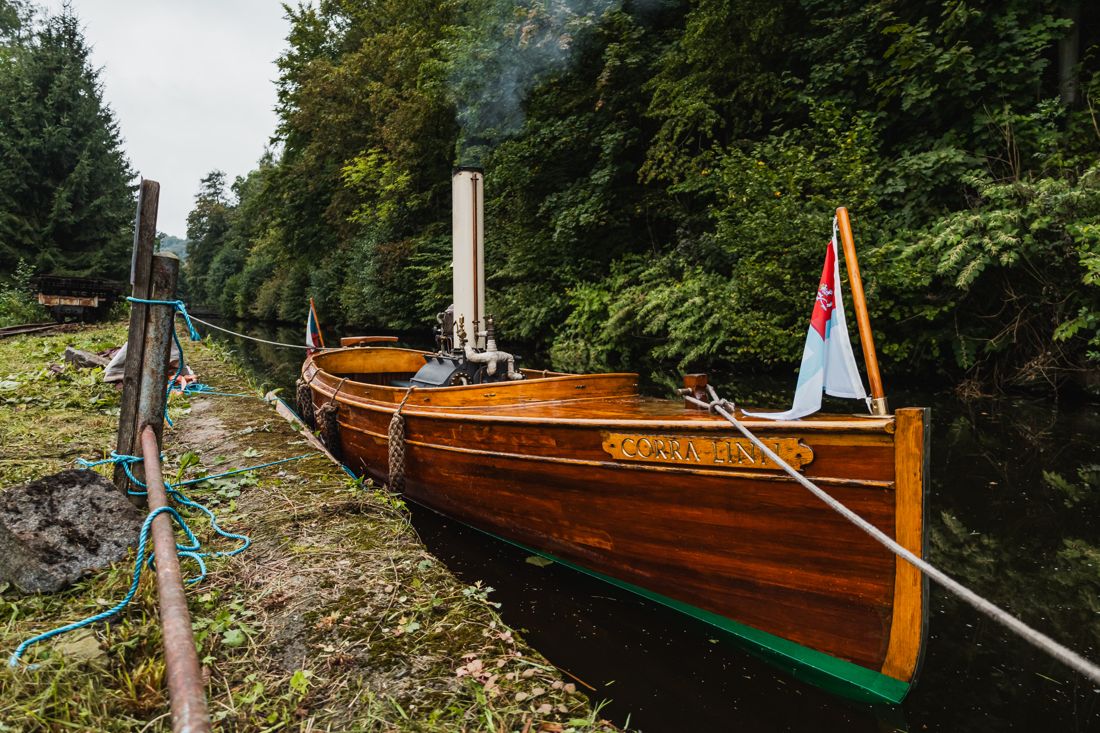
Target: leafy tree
661 175
207 226
66 202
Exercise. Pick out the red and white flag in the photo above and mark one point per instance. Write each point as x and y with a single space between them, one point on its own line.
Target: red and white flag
313 331
828 364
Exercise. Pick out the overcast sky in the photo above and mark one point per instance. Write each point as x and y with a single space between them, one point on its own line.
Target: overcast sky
191 85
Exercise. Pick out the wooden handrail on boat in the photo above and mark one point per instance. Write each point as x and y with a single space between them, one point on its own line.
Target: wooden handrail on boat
366 340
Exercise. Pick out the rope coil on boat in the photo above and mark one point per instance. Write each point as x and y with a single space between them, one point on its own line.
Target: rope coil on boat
1040 640
328 423
396 446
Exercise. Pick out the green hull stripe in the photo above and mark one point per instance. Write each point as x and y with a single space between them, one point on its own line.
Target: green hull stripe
837 676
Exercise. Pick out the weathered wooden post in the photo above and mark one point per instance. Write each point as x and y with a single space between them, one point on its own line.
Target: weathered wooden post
157 353
141 268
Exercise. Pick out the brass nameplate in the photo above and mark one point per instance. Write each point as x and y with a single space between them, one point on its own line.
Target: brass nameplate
697 450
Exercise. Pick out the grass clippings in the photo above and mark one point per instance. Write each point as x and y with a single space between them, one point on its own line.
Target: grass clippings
336 619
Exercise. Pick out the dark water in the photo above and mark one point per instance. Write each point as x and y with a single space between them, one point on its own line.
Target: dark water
1014 514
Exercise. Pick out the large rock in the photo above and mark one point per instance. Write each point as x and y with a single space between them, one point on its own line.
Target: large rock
57 529
84 359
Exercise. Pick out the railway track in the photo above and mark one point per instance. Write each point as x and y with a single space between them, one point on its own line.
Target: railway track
27 328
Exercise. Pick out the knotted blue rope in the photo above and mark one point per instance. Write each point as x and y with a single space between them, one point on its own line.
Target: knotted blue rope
190 550
181 308
120 460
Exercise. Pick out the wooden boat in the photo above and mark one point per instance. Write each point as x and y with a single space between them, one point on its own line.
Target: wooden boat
661 498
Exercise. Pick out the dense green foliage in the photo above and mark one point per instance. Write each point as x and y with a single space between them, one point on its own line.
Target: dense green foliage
66 203
17 302
661 176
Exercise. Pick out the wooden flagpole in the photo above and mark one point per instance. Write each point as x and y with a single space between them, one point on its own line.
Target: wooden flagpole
859 300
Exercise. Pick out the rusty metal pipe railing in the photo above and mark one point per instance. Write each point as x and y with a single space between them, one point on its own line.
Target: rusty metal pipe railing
185 685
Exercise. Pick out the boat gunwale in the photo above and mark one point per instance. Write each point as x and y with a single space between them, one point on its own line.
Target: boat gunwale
825 423
548 376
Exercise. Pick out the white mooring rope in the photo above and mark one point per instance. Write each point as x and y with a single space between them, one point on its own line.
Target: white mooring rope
251 338
1063 654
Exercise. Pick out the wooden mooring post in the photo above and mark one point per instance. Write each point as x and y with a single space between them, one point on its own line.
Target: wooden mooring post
140 433
149 339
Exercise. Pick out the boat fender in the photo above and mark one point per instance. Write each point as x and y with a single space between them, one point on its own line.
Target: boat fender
329 427
328 423
303 400
395 439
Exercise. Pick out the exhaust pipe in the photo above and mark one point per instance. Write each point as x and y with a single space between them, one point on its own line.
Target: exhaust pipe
468 265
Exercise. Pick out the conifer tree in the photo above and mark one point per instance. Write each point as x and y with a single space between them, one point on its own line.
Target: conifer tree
66 199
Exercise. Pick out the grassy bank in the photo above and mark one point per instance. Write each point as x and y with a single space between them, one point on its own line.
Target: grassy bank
336 618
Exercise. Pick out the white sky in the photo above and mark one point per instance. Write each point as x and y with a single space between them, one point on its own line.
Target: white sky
191 83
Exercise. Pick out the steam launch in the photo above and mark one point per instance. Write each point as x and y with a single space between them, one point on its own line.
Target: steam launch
656 496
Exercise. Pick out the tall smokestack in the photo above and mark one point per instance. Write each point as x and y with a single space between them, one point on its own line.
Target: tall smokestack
469 251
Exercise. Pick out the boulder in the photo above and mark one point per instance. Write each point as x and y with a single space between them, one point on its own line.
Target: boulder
58 528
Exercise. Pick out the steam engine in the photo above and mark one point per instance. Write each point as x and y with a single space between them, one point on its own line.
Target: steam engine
467 358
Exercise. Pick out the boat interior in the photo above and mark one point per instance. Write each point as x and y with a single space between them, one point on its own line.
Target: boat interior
392 366
383 373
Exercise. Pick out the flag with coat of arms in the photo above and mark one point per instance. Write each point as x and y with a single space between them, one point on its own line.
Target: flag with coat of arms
828 364
313 331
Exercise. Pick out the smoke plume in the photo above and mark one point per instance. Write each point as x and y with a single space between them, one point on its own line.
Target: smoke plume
510 48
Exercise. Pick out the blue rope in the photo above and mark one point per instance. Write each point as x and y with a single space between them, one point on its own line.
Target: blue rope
139 564
199 388
190 550
180 307
194 387
120 460
235 471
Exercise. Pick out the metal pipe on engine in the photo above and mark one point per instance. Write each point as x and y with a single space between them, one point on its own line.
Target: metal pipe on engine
492 356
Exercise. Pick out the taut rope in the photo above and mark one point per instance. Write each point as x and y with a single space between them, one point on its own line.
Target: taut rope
1063 654
251 338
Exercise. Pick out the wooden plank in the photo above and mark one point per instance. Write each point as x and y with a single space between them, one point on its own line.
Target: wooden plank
348 341
907 625
145 232
287 414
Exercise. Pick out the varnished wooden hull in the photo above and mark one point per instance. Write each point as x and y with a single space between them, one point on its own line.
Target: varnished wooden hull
559 465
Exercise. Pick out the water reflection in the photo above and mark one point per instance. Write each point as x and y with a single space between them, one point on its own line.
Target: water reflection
1014 513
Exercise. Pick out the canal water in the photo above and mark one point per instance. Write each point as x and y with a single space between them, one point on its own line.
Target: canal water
1014 513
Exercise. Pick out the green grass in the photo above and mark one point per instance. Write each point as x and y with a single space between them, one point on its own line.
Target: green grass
336 619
